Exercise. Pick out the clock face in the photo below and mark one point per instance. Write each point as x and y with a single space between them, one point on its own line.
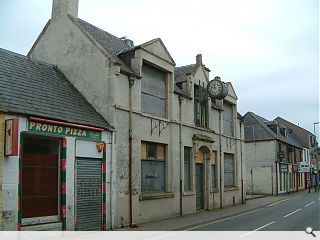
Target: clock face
215 88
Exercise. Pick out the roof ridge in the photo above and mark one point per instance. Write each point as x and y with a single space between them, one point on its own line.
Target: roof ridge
99 28
110 43
189 65
26 57
262 124
293 124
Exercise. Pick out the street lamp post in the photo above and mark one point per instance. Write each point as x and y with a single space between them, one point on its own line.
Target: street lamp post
315 146
314 128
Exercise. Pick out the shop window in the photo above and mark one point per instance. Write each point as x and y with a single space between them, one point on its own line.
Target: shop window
229 179
187 168
200 106
40 177
152 167
213 170
228 119
153 91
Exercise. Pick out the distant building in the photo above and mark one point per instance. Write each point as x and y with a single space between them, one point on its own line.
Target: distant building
274 155
311 148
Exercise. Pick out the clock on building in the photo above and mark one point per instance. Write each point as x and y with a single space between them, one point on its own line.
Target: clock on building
217 89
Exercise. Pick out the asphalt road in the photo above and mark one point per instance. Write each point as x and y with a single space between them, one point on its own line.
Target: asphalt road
293 214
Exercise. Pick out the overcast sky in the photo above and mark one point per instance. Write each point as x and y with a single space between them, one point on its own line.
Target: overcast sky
268 49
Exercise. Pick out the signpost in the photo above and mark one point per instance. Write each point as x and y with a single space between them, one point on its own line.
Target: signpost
303 167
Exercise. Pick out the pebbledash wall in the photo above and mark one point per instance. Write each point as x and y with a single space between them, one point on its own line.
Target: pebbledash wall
76 143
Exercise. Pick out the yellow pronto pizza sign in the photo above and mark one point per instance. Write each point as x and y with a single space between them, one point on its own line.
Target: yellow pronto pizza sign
56 129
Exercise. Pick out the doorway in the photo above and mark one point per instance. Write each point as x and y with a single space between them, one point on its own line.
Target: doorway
199 187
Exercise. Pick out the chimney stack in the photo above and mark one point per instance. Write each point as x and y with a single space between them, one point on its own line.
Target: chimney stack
61 8
199 59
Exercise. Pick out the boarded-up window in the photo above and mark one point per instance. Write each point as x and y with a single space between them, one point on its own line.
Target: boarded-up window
213 169
40 181
227 119
153 91
200 157
152 167
229 179
187 168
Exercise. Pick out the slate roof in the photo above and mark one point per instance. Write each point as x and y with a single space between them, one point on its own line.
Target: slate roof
181 72
256 129
33 87
180 92
119 51
112 44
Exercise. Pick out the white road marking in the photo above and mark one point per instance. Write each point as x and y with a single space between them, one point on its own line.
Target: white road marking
270 205
247 234
310 204
221 220
292 213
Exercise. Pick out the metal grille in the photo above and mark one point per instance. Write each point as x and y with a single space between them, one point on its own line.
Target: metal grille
89 195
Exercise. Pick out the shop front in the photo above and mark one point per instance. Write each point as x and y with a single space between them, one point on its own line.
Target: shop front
283 178
62 176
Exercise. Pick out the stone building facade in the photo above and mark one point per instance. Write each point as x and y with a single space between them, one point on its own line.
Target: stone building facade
176 150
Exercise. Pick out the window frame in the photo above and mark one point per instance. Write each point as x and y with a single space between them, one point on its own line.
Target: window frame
213 163
155 160
230 122
234 172
144 92
190 169
199 106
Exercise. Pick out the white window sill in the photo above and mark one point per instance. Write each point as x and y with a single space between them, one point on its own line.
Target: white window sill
228 189
215 190
188 193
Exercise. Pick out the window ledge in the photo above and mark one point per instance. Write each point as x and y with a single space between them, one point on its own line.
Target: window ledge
231 189
156 195
53 226
189 193
40 220
214 191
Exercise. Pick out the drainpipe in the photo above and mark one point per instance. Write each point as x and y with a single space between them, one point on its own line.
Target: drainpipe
131 82
180 154
112 178
242 197
277 150
220 153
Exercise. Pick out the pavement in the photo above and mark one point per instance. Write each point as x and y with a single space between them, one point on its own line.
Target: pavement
179 223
